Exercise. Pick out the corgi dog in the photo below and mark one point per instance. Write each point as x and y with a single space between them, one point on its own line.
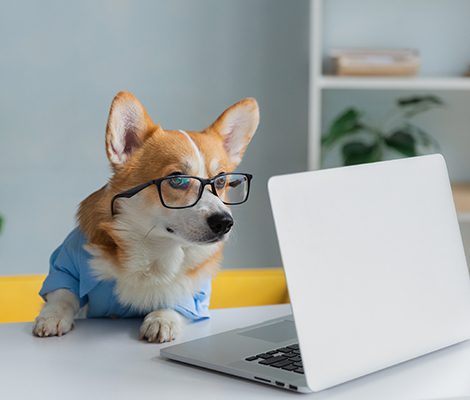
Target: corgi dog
152 237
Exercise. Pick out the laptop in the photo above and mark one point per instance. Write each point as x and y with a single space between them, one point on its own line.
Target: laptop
376 274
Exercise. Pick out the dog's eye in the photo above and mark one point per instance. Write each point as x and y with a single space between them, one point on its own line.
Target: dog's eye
220 182
179 182
236 182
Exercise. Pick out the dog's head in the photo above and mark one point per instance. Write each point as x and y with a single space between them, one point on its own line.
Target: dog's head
140 151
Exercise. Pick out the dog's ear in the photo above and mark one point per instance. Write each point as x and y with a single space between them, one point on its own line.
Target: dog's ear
128 127
237 125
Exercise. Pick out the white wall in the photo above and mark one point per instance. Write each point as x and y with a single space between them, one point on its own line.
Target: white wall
61 64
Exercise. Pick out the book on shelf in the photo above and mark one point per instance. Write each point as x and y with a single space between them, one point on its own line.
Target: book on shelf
375 62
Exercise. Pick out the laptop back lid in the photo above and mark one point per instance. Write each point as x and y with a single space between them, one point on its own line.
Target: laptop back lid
374 263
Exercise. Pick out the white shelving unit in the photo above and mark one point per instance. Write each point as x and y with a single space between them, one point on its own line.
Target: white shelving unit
336 82
319 83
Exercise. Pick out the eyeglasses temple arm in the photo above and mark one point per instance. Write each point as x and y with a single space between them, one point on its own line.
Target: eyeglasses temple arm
131 192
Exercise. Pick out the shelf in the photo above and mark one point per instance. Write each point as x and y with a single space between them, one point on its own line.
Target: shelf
461 192
422 83
420 34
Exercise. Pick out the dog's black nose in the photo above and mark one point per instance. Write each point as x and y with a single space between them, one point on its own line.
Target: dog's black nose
220 223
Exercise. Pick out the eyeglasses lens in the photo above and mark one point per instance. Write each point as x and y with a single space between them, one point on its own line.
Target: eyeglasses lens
180 191
232 188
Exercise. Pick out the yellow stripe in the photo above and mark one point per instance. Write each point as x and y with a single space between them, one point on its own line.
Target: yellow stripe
20 302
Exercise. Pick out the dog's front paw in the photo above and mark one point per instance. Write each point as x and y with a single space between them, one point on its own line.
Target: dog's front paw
52 325
161 326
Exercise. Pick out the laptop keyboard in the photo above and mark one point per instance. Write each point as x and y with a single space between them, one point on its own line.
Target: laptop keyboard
286 358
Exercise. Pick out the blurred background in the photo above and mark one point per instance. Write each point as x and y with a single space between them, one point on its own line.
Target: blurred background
62 63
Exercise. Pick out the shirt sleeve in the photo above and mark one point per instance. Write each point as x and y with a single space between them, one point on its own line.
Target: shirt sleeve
63 274
196 308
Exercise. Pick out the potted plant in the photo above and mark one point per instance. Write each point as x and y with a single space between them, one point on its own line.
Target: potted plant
363 143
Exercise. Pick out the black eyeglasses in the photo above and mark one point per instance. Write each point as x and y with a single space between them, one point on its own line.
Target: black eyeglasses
184 191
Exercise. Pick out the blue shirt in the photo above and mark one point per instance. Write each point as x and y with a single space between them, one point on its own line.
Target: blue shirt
70 269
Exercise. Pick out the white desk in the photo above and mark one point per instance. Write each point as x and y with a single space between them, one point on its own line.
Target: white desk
103 359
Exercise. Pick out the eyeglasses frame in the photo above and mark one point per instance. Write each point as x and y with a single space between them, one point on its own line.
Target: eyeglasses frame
204 182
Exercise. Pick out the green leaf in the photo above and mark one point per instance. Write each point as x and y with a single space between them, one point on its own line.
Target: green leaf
345 124
361 153
415 105
403 142
415 100
422 137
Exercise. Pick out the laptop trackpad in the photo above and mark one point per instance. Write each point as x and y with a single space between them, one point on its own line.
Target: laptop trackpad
277 332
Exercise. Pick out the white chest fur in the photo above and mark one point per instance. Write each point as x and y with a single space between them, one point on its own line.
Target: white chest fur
154 275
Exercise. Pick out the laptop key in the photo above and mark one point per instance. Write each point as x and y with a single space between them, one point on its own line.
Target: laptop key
281 364
289 367
272 352
298 364
299 370
273 360
295 359
293 347
291 354
284 350
264 356
252 358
